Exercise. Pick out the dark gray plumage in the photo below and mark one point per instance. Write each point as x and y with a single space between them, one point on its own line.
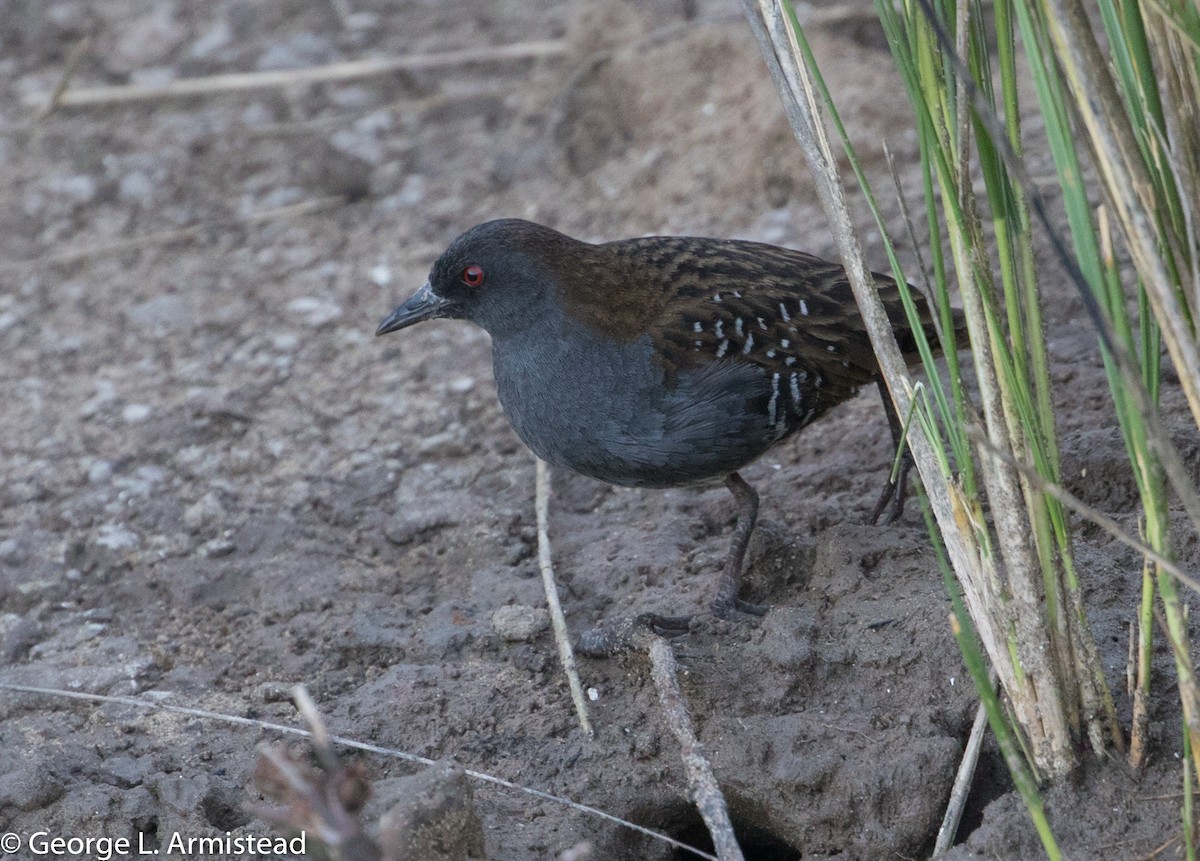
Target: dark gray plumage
660 361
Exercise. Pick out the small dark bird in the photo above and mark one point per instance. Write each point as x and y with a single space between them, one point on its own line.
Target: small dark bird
662 361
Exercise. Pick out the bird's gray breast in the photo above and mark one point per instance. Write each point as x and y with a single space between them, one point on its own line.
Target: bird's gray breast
606 409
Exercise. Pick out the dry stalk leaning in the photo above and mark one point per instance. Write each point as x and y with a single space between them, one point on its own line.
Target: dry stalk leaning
962 784
706 793
954 514
987 593
566 654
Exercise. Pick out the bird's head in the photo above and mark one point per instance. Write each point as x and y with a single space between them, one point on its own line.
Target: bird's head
501 275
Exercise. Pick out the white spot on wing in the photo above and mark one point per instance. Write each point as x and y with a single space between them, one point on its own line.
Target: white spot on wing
749 344
783 312
697 327
803 308
722 348
795 381
772 418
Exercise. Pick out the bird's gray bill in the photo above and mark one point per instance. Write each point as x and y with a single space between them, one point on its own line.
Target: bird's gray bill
422 305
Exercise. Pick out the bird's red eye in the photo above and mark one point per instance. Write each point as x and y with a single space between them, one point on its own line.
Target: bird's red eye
472 276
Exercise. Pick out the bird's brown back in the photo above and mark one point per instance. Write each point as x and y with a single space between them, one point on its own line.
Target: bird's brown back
745 301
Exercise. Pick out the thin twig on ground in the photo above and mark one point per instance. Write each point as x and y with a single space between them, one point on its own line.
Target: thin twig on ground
706 793
962 785
353 69
77 54
566 655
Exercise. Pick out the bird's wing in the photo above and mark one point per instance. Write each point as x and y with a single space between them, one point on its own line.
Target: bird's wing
783 310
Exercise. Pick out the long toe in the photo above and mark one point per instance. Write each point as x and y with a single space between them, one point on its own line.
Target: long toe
729 609
618 635
751 609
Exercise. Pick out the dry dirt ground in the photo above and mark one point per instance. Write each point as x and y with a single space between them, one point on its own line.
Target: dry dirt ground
217 483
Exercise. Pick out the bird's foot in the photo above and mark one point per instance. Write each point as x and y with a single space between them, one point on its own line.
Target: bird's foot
724 608
617 635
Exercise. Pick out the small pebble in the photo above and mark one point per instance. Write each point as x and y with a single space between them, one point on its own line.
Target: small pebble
212 40
11 552
164 311
412 191
315 312
274 692
203 512
135 413
114 536
18 634
380 275
520 624
99 472
217 547
79 188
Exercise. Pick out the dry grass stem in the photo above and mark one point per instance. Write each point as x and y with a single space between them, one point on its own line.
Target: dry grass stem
962 784
566 654
77 54
956 516
316 725
238 82
706 793
1128 187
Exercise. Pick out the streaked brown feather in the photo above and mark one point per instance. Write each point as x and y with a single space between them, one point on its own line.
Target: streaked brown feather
669 284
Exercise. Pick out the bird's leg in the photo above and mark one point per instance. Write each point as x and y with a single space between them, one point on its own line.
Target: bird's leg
614 637
730 582
894 493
